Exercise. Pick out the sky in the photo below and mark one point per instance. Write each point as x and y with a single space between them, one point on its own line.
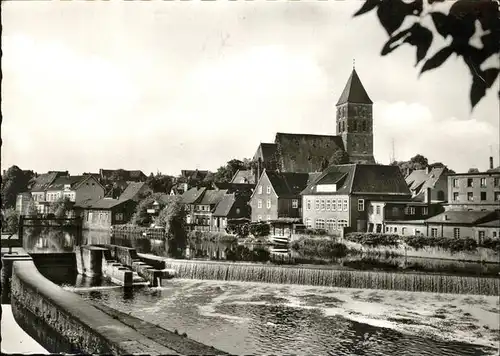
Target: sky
165 86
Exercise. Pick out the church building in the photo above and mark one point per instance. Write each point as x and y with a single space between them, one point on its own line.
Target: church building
314 153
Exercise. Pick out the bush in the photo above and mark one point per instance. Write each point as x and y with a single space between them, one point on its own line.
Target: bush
10 221
320 232
260 229
491 244
312 247
374 240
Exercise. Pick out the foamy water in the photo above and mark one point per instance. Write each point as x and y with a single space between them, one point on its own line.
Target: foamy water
243 317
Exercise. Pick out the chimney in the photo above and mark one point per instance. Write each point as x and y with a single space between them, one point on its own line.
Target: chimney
427 170
427 196
491 162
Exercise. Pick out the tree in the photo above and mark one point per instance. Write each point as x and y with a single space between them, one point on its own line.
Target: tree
61 207
160 183
14 181
173 218
141 217
459 24
11 220
225 173
418 162
473 170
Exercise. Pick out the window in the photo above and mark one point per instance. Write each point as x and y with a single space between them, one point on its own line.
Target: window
494 234
308 223
268 217
387 229
328 204
342 223
470 196
417 232
370 209
481 235
456 232
361 205
455 196
470 182
334 205
317 204
496 182
259 218
455 183
483 195
330 224
345 204
320 224
403 231
259 203
377 210
322 204
269 203
434 232
483 182
119 216
395 229
339 205
295 203
308 204
268 190
497 196
259 191
412 210
425 210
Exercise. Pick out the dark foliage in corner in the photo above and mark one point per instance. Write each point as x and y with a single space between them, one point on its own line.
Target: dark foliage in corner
459 24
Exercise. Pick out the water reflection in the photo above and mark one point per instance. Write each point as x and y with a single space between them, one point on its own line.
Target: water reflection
64 240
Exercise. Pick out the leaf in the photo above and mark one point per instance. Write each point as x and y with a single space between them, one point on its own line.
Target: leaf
392 14
369 5
388 47
438 59
421 37
441 22
477 90
490 75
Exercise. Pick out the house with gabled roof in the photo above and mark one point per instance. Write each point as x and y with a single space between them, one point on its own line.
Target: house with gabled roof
433 181
232 206
277 195
292 152
135 190
101 214
243 177
75 188
338 198
190 198
122 174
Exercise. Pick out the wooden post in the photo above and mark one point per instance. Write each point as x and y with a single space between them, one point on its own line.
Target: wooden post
20 229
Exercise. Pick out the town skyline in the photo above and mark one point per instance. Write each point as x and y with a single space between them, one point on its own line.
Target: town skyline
121 94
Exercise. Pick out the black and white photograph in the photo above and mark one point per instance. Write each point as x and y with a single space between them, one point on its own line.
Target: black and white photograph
288 177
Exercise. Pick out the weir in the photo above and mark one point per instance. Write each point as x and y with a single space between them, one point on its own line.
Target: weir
412 282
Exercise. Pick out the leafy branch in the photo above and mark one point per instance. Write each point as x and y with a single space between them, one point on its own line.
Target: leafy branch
461 23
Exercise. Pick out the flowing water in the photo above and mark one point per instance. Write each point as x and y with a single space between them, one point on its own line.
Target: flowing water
258 318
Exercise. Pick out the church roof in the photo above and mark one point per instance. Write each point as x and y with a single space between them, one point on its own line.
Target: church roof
306 153
354 92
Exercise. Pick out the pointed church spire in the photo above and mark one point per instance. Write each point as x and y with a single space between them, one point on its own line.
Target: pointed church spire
354 92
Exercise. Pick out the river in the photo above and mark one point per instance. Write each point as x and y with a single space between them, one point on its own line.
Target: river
257 318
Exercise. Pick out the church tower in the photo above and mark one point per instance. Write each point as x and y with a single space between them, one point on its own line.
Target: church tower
355 121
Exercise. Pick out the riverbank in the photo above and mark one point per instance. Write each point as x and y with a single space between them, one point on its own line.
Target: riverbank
14 338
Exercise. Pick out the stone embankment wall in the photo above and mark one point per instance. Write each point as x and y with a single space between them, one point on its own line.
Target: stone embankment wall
62 321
